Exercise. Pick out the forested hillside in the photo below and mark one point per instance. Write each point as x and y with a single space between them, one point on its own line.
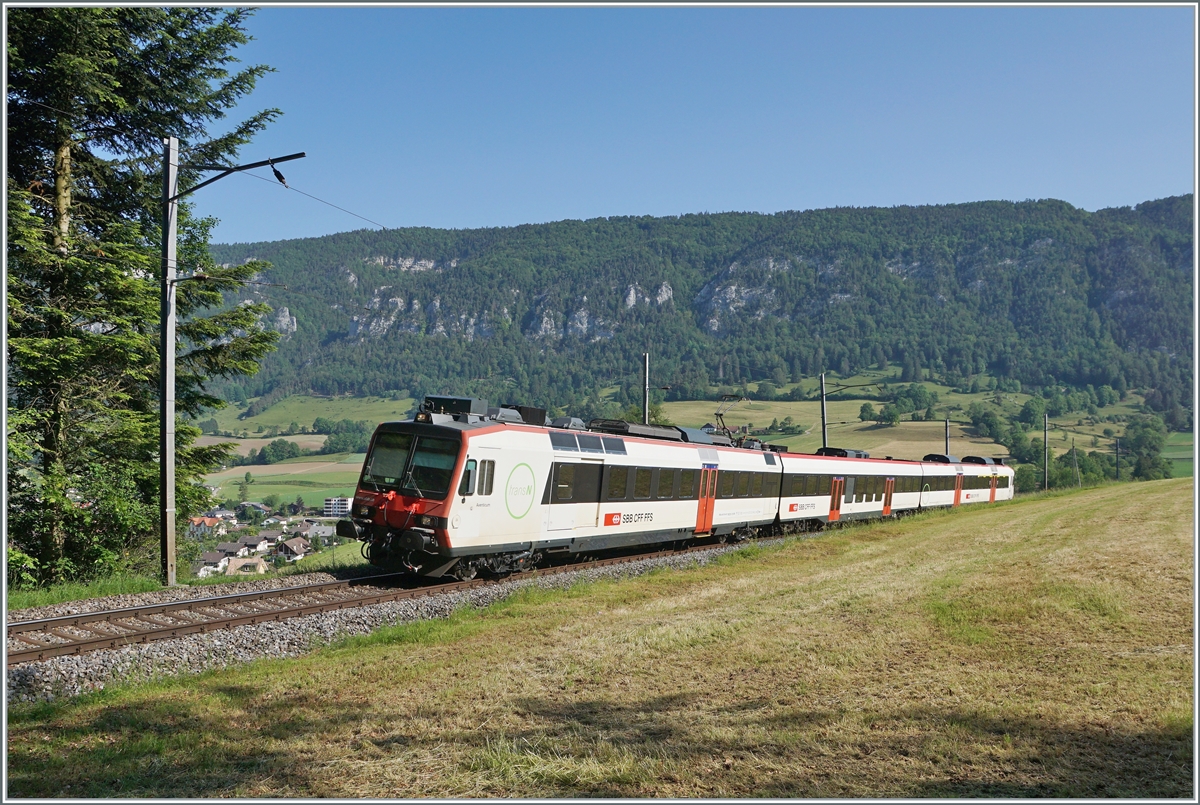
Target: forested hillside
1038 292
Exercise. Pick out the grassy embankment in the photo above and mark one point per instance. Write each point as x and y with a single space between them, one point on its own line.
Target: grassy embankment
1038 648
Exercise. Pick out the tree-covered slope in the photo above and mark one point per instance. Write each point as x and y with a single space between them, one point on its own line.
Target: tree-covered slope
1037 291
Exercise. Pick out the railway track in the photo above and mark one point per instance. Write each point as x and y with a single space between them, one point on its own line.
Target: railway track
34 640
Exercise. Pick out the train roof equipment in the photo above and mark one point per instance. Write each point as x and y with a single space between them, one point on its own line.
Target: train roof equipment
842 452
982 460
938 458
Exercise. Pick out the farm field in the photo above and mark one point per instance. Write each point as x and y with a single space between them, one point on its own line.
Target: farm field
303 409
313 479
1040 648
1179 451
306 441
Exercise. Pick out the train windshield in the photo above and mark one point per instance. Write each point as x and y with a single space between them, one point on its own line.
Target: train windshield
416 465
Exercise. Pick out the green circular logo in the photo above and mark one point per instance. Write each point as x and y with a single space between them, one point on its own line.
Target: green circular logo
518 491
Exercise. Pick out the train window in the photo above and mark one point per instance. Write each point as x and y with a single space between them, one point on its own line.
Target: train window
756 490
613 445
487 471
589 444
666 485
641 484
1003 483
432 469
564 484
771 485
467 486
796 487
389 454
687 484
727 479
618 483
743 484
711 492
563 441
825 481
812 484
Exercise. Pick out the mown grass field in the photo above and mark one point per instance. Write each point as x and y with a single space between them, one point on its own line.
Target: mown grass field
1038 648
1179 451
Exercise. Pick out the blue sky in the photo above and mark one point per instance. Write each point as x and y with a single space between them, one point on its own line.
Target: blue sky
473 117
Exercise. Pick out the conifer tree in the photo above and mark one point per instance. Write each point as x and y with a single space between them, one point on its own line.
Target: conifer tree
91 93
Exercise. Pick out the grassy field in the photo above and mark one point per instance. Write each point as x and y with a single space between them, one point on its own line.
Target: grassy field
303 409
1179 451
1038 648
314 478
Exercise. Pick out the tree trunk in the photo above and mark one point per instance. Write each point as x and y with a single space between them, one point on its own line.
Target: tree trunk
62 194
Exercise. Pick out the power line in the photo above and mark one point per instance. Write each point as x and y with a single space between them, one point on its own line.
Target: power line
315 198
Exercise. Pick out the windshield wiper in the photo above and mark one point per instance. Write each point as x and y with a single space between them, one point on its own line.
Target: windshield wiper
408 478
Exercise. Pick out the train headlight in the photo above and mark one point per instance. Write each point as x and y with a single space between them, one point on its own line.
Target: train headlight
425 520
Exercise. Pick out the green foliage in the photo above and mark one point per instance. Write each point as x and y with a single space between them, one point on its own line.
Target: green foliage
867 412
91 93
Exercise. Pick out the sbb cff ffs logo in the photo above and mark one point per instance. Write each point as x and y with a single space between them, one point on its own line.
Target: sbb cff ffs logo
612 519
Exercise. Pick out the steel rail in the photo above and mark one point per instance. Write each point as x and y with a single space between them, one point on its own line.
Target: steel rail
104 623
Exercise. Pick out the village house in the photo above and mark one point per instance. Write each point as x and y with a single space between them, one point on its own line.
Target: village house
233 549
294 548
200 527
222 513
257 543
247 565
211 564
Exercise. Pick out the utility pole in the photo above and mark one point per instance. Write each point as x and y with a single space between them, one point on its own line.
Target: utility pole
1045 451
1075 459
824 419
166 385
1118 456
947 435
645 388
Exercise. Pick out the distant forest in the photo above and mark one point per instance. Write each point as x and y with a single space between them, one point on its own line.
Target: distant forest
1038 293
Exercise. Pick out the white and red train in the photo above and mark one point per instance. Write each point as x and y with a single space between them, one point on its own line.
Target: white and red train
463 488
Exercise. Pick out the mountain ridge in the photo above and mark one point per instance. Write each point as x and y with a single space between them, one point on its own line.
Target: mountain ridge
1037 291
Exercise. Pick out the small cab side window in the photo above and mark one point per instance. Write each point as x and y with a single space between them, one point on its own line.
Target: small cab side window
487 471
467 486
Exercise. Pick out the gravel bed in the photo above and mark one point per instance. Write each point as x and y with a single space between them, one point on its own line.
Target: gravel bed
74 675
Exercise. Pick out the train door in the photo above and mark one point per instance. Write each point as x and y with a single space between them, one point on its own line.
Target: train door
992 492
888 485
835 499
575 495
958 481
708 494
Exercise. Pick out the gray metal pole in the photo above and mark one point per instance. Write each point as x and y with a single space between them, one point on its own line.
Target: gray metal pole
1075 459
166 388
1118 452
824 424
645 388
947 435
1045 451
